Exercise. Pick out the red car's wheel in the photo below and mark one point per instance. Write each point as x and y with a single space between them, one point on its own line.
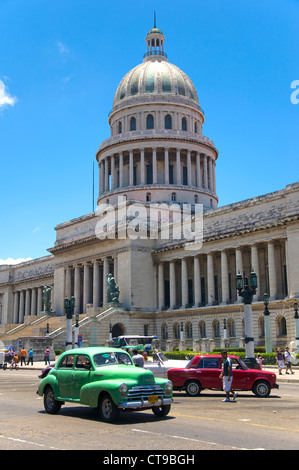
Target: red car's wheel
261 388
193 388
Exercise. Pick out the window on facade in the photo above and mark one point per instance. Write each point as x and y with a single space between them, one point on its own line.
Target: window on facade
216 329
195 128
231 328
168 122
173 196
281 326
148 196
189 332
185 175
164 331
184 124
133 124
176 331
171 180
149 174
119 127
202 329
150 121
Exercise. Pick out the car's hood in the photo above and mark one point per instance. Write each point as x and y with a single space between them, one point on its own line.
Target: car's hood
142 376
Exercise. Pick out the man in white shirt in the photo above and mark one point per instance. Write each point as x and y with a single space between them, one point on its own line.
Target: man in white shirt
137 359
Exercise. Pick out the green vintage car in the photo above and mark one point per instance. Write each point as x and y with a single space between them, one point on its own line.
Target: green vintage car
107 379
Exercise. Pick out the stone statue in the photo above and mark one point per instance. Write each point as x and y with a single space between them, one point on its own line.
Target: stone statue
47 298
112 290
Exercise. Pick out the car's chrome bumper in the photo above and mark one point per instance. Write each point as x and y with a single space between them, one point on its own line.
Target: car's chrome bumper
137 404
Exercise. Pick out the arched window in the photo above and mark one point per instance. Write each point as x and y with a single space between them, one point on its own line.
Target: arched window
148 197
202 329
133 124
176 331
184 124
119 127
189 332
164 331
168 122
195 128
216 329
281 326
231 328
150 121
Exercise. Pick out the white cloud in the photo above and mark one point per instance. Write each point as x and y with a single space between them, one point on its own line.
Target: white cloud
14 261
62 48
5 98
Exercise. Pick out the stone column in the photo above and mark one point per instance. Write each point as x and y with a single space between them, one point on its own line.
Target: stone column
27 302
105 273
211 281
197 286
255 267
272 271
205 172
39 300
96 285
68 283
121 169
184 282
77 289
224 278
154 165
142 167
106 174
22 304
112 172
211 186
15 307
189 169
178 167
33 301
166 166
198 171
86 286
161 293
101 178
172 284
131 168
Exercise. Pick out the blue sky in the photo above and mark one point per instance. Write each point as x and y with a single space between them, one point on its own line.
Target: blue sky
62 60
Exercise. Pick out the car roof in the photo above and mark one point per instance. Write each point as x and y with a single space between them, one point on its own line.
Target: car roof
92 350
217 356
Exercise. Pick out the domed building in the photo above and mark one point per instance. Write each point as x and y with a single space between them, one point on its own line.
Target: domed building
157 156
157 151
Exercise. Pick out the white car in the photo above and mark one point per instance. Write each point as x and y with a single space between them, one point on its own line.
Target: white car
161 364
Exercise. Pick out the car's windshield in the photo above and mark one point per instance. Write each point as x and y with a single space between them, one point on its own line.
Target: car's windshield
110 358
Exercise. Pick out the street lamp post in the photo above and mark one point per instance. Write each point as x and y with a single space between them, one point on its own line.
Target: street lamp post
267 325
69 305
247 292
296 317
76 331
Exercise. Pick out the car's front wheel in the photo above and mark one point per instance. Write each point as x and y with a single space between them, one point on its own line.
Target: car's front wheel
193 388
161 411
51 405
108 410
261 388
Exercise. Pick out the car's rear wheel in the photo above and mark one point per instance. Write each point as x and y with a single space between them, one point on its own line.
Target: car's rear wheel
51 405
108 410
261 388
193 388
161 411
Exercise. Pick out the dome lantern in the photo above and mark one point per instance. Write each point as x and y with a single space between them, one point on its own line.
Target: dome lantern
155 43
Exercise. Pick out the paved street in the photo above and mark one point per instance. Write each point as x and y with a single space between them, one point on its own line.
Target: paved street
204 422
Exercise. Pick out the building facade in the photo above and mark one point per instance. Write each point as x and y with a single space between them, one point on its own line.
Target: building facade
157 156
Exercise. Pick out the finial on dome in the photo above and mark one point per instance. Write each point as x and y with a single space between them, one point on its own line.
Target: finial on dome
155 43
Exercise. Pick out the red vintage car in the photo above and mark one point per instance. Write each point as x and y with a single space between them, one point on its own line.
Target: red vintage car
202 372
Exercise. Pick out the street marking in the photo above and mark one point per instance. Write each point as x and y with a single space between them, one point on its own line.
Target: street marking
233 422
193 440
22 441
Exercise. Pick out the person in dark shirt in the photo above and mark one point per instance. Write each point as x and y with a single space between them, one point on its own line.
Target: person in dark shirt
227 377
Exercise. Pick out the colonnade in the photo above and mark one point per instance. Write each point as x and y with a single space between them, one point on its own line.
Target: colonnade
27 302
210 278
157 165
87 282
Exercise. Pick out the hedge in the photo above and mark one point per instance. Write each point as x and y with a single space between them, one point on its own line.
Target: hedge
269 358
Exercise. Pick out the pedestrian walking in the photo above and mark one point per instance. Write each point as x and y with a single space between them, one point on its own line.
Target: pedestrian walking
227 377
47 356
30 357
288 360
137 358
23 356
279 360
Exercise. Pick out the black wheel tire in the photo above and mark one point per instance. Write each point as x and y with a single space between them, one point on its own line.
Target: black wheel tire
4 366
193 388
161 411
261 389
51 405
107 409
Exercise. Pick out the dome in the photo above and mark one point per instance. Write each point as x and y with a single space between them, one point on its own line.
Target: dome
152 77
